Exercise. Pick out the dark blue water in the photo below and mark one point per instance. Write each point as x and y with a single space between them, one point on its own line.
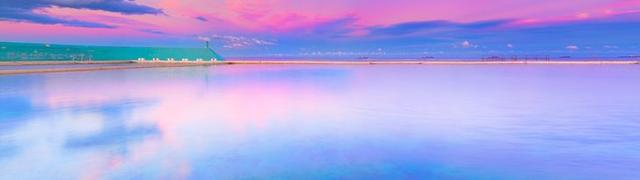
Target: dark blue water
324 122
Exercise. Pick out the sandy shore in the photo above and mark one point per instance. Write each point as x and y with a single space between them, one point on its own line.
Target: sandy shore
116 65
104 66
27 63
434 62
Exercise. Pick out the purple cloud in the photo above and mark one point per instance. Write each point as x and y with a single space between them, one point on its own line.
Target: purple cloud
19 15
202 18
433 26
23 11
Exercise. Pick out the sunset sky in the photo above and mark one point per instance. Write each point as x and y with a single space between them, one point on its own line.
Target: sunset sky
336 28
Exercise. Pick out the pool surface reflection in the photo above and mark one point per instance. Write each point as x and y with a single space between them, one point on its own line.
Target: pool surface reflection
324 122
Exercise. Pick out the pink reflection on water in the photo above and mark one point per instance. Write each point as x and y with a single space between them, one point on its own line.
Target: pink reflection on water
179 108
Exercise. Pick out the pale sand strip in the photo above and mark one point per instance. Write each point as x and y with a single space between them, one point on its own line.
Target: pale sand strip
96 68
164 64
457 62
27 63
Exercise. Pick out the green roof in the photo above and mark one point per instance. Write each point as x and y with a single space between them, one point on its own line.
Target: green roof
10 51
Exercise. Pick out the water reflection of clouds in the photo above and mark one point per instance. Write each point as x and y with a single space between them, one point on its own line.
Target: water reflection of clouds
6 149
39 136
330 78
326 121
241 100
53 119
115 130
109 123
13 111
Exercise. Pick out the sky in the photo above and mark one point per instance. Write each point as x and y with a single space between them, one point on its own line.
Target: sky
336 28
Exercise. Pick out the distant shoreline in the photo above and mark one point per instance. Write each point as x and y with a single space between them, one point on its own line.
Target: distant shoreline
118 65
425 62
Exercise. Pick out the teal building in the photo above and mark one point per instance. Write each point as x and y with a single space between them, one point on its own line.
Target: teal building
10 51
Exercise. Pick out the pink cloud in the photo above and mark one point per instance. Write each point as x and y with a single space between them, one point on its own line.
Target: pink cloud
305 17
287 15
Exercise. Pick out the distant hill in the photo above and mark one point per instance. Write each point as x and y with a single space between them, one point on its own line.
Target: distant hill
10 51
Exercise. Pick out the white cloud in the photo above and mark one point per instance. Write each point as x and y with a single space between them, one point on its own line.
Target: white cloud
610 47
466 44
583 15
510 45
572 47
238 42
204 38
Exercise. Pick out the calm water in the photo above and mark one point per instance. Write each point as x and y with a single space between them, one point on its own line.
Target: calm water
324 122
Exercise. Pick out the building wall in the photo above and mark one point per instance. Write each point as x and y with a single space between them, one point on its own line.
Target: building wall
53 52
